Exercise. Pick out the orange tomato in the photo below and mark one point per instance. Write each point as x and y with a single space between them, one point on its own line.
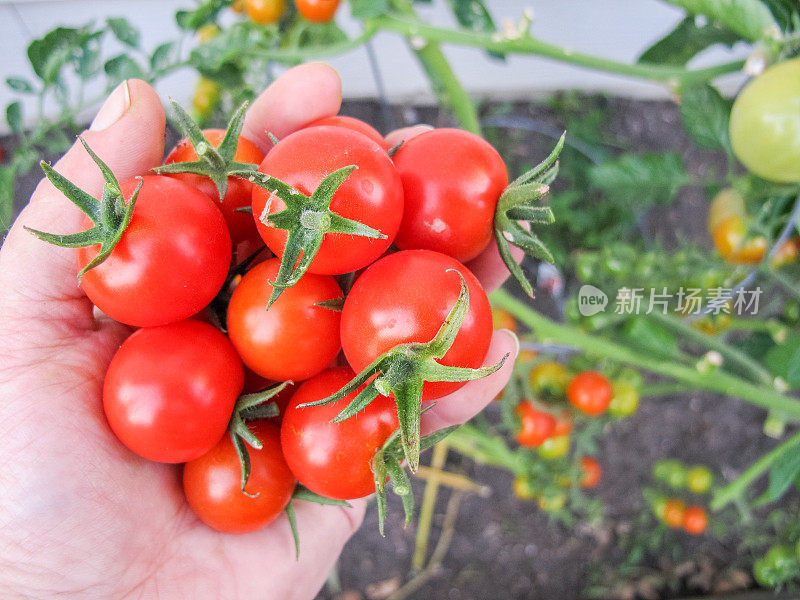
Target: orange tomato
592 472
673 512
265 12
695 520
317 11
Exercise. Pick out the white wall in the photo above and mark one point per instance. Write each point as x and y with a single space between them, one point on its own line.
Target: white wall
615 29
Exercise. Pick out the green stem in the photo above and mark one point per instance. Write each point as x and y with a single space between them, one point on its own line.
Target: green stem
716 381
662 389
747 364
472 442
525 44
445 83
736 488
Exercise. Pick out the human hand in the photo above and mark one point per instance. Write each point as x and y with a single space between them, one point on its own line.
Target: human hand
80 515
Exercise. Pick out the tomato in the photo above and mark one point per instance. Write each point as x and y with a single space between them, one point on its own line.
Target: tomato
733 244
671 472
625 399
552 501
765 123
206 97
535 425
372 194
317 11
207 32
699 479
354 124
554 447
673 512
523 488
405 297
726 203
695 520
240 225
238 6
502 319
212 483
169 263
786 253
335 459
265 12
294 339
169 391
548 378
563 424
592 472
590 393
452 180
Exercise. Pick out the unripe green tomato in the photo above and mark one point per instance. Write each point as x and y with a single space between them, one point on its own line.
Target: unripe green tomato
765 123
625 400
523 488
659 504
554 447
777 566
699 479
671 472
630 376
552 501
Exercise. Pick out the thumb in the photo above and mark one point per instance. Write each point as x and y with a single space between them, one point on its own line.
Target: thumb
128 135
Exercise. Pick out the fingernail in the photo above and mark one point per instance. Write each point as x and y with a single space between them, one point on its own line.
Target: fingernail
115 106
515 338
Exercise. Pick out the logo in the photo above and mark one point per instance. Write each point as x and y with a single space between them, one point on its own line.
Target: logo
591 300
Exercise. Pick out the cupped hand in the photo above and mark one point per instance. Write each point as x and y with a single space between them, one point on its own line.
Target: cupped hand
80 515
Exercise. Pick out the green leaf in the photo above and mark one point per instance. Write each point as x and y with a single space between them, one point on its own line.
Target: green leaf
641 178
122 67
780 359
685 41
705 116
14 117
786 13
650 337
18 84
303 493
205 13
7 177
793 372
89 62
49 54
124 31
473 15
364 9
320 34
163 56
751 19
784 471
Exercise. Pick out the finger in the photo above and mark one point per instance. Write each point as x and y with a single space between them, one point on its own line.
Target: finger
406 133
489 267
461 406
127 134
301 95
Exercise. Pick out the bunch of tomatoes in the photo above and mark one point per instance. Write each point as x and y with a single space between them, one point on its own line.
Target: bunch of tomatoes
266 12
260 284
672 511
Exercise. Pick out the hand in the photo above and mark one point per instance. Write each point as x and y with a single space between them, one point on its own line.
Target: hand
80 515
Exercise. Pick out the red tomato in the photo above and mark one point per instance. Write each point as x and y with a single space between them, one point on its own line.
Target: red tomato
317 11
212 483
405 297
452 180
590 393
356 125
372 194
335 459
240 191
592 472
169 391
695 520
294 339
169 263
535 425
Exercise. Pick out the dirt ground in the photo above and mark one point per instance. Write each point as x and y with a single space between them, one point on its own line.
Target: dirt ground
506 549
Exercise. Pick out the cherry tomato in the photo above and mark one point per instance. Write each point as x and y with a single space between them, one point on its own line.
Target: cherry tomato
726 203
317 11
335 459
765 123
673 512
592 472
535 425
240 191
265 12
625 400
563 424
502 319
695 520
169 263
170 390
549 378
405 297
212 483
206 97
786 253
590 393
554 447
671 472
355 124
733 244
552 501
699 479
523 488
207 32
372 194
452 180
294 339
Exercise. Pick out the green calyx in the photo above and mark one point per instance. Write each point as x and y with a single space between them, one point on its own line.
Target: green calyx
215 163
403 370
518 203
305 494
307 219
110 216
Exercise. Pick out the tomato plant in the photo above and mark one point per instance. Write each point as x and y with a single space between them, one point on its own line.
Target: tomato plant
212 483
170 390
334 459
590 393
293 340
